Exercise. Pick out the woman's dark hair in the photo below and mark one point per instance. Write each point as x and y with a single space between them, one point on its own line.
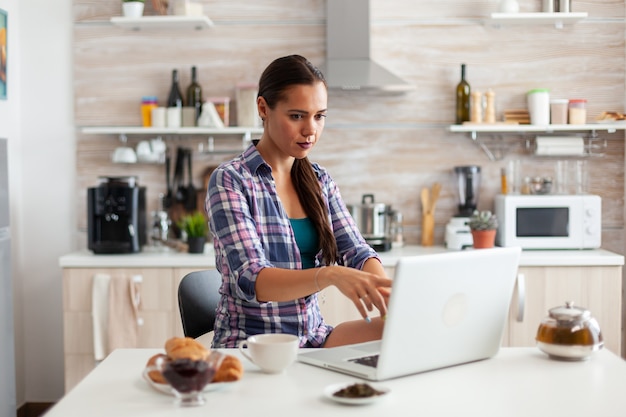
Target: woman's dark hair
281 74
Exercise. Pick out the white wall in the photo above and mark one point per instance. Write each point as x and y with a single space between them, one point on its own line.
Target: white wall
37 119
10 128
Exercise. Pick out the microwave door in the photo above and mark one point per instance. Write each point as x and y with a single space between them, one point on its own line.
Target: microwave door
545 222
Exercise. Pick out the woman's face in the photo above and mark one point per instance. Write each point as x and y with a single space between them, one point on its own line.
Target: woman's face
295 124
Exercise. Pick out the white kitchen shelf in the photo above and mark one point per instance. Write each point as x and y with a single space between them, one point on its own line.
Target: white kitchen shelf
503 129
513 128
138 130
163 22
246 134
539 18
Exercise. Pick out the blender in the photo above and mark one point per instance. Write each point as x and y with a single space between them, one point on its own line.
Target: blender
458 234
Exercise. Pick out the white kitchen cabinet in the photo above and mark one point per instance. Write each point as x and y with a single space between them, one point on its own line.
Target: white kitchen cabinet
596 288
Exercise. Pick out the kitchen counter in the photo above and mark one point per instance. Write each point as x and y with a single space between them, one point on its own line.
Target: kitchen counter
171 259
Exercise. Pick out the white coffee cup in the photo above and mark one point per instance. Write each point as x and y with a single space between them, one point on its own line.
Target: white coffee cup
272 352
124 155
144 149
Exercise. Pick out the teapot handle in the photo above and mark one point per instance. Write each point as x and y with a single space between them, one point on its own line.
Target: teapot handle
366 197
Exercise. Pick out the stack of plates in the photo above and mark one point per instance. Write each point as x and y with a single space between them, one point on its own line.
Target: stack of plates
520 116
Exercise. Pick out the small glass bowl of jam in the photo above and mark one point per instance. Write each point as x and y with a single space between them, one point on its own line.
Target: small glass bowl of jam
188 377
569 333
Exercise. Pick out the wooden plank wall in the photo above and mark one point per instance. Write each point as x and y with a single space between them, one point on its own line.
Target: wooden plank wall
388 145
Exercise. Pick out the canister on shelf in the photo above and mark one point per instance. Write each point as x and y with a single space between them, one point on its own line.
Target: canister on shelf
247 114
490 108
476 107
549 6
558 111
539 106
578 111
147 104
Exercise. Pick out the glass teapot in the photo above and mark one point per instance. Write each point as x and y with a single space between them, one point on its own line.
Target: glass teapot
569 333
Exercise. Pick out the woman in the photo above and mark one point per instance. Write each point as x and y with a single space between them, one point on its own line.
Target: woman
281 230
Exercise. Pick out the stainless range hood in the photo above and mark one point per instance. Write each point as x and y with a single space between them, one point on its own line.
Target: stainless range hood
348 63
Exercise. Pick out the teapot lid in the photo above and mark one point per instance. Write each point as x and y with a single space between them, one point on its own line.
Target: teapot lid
569 313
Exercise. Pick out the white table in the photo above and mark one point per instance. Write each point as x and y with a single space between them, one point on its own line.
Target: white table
517 382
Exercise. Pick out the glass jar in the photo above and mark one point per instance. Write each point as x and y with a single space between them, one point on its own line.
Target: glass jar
577 111
569 333
558 111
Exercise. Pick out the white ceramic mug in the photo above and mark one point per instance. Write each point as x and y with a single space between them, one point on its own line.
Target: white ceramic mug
124 155
272 352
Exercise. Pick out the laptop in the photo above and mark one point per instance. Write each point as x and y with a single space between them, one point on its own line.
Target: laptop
445 309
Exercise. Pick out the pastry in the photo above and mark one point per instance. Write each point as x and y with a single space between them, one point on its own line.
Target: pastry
156 376
231 369
185 348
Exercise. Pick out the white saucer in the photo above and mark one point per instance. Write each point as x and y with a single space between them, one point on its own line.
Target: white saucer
167 389
330 390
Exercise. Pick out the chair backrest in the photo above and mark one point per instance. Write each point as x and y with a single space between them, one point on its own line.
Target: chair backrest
198 297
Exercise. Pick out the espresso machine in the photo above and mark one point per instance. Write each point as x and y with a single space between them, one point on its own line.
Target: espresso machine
116 216
458 234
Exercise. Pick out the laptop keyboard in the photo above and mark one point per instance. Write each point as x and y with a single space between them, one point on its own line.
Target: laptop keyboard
367 360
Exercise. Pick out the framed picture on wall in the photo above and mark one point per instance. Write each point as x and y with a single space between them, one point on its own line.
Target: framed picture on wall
3 54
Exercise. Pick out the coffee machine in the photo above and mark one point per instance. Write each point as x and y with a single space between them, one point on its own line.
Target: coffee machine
458 234
116 216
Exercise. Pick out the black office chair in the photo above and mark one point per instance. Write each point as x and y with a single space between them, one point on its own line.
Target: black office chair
198 296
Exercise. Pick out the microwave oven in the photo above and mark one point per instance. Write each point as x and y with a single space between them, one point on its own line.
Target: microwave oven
549 221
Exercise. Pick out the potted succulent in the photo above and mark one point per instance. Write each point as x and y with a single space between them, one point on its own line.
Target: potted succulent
196 228
483 225
132 8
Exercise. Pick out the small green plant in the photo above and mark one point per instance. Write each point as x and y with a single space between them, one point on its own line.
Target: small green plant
194 225
483 220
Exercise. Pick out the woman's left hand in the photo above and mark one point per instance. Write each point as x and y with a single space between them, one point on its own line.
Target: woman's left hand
366 290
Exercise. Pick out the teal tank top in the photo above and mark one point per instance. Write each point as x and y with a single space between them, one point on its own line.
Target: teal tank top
307 240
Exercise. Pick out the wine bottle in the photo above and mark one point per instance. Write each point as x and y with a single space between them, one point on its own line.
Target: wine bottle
174 103
462 99
194 94
175 98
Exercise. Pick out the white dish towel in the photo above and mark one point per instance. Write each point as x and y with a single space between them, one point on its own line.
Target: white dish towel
100 314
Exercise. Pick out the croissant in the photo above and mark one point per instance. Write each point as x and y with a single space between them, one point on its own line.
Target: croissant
185 348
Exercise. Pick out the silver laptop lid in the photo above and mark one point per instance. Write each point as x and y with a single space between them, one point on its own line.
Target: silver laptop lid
447 309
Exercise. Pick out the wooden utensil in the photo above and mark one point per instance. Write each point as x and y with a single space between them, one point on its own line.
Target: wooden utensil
425 196
435 197
429 201
428 221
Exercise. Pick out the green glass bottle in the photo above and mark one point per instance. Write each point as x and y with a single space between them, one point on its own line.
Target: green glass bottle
462 99
194 94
